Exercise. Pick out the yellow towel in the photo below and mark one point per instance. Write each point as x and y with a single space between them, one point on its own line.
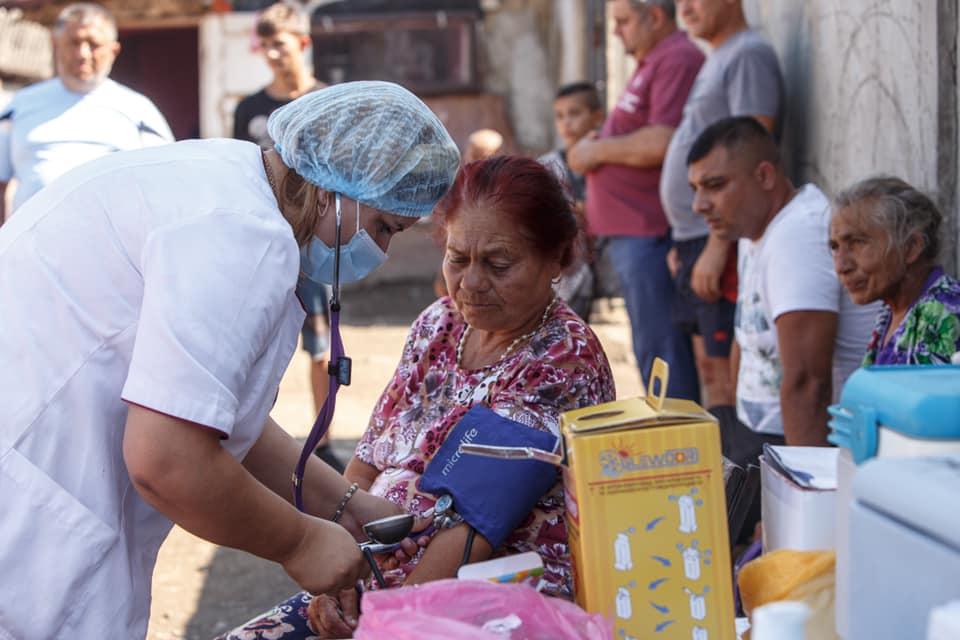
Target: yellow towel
805 576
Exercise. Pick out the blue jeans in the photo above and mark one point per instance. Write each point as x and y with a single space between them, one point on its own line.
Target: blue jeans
647 288
314 298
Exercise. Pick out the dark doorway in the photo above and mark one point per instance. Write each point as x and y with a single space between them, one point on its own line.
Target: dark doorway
163 64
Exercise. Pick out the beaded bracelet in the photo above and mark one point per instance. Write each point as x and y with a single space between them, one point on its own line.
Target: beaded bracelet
343 502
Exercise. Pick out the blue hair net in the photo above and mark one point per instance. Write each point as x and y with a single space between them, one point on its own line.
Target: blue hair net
374 142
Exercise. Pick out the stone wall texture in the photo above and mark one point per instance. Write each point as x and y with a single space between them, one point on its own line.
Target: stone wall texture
872 88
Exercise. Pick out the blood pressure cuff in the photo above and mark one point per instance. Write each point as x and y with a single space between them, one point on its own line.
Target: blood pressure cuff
492 495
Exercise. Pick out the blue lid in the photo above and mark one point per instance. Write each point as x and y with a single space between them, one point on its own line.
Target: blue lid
916 401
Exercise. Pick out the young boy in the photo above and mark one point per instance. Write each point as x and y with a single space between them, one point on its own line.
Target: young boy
284 35
577 112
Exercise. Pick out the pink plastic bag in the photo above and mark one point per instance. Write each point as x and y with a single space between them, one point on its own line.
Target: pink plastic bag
475 610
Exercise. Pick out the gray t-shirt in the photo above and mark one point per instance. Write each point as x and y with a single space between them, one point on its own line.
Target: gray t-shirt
741 77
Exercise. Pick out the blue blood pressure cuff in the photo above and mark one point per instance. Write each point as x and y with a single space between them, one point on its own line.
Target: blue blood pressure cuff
492 495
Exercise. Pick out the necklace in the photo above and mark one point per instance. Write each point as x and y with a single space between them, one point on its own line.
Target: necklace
269 171
512 345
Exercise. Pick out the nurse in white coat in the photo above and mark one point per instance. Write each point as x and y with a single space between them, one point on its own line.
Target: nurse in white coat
147 313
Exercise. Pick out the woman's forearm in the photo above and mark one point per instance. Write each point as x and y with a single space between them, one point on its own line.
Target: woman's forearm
272 461
181 470
275 456
442 557
361 472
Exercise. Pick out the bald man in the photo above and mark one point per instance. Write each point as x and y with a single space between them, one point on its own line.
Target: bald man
741 77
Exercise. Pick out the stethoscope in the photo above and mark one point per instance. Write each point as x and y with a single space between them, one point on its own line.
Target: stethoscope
339 368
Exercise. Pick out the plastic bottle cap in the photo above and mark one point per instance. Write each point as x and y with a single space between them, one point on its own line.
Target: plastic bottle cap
785 620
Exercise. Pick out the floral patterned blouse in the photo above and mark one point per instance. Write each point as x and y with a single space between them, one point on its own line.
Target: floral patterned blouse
929 332
561 367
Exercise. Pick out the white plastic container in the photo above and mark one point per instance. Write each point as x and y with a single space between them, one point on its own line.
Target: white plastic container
945 622
905 551
784 620
795 517
887 412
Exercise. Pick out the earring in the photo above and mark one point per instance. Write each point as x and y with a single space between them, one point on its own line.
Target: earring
556 280
326 205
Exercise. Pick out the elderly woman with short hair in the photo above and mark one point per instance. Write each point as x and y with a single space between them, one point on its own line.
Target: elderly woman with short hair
884 237
501 339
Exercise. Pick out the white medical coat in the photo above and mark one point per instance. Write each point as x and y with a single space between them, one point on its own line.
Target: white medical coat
162 277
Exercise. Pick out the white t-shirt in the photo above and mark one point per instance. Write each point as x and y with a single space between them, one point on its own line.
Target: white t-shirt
49 130
790 269
162 277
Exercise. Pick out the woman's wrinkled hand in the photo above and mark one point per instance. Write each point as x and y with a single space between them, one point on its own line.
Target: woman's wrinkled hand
409 546
335 616
365 507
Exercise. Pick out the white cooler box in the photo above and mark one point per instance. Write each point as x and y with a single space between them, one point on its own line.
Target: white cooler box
904 545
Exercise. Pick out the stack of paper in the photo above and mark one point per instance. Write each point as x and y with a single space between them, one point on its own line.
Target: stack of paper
808 467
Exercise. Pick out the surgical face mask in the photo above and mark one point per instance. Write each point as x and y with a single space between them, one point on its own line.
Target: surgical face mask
358 258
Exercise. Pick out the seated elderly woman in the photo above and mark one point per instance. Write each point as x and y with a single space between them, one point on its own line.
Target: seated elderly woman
885 239
500 339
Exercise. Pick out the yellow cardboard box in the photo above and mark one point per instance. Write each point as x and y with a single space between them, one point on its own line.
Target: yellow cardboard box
647 518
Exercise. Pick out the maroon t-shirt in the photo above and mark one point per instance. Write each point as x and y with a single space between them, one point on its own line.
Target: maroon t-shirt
624 200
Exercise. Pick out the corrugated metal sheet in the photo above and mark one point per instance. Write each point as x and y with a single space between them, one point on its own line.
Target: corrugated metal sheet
44 11
355 7
25 49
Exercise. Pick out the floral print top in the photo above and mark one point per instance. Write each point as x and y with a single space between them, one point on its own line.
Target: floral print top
929 332
561 367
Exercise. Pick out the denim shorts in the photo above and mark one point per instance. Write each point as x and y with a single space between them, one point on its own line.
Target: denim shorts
314 298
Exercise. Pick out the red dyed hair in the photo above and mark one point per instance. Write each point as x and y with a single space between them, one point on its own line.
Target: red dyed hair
523 190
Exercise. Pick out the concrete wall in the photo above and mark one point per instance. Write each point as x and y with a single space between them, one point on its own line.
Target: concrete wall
620 66
514 44
528 49
872 88
862 86
571 27
229 69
